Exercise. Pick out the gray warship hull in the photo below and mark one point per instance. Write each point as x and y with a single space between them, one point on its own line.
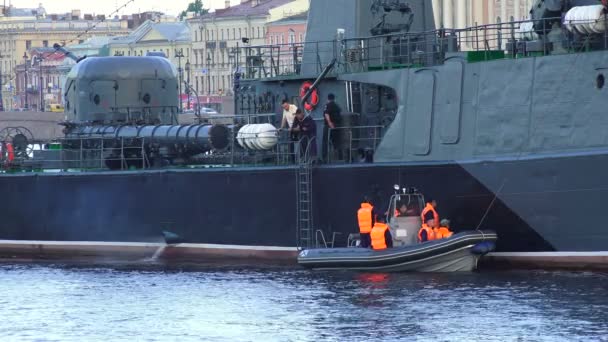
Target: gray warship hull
516 144
257 207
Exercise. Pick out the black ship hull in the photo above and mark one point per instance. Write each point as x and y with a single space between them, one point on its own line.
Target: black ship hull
547 204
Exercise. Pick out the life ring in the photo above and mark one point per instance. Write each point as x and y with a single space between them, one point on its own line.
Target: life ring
313 99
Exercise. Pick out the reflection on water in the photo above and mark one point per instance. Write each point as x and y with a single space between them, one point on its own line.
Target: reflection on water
84 304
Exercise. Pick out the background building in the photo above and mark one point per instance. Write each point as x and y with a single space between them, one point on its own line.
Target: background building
43 77
464 13
167 37
290 34
216 36
24 29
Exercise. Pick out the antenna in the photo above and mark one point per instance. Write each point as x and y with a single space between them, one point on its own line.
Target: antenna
99 21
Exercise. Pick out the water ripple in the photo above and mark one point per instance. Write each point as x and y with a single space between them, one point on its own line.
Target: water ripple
60 303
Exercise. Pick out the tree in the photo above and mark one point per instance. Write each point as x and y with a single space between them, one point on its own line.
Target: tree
196 7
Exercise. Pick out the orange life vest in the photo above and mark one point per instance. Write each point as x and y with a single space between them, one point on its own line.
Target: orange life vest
10 153
442 233
429 207
377 236
430 234
364 216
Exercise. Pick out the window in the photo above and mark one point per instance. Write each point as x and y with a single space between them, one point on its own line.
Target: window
233 33
129 53
240 34
301 39
28 44
259 32
282 39
195 36
222 34
212 35
271 40
45 43
292 36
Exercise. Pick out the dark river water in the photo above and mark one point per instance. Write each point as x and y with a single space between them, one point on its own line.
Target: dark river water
61 303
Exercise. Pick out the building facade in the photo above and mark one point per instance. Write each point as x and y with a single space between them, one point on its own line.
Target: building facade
217 38
466 13
38 80
289 35
22 30
170 38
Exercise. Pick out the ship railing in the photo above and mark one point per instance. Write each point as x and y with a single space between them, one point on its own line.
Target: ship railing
286 60
514 39
527 38
144 114
81 155
240 119
391 51
353 145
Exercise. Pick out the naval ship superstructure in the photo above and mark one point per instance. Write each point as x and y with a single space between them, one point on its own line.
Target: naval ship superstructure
503 124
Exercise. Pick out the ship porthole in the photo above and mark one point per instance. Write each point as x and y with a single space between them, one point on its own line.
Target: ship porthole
600 81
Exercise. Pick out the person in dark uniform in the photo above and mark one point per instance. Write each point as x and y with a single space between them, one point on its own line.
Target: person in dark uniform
306 130
333 119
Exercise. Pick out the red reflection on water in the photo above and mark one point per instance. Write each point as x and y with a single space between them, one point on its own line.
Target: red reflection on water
379 280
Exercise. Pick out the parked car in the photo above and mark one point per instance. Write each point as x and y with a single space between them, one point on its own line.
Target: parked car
207 110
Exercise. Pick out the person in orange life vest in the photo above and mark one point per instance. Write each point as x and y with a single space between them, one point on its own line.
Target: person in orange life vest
426 232
443 232
381 235
366 215
429 215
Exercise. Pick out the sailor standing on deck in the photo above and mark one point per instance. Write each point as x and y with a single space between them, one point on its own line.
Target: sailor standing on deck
289 116
366 216
333 120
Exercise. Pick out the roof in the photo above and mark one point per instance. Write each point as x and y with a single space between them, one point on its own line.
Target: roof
298 18
246 9
178 31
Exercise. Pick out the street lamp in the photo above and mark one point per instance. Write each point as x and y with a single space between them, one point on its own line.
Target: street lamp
208 74
188 81
40 59
25 77
1 86
179 54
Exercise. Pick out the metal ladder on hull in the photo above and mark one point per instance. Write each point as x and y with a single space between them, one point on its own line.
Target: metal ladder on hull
305 229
